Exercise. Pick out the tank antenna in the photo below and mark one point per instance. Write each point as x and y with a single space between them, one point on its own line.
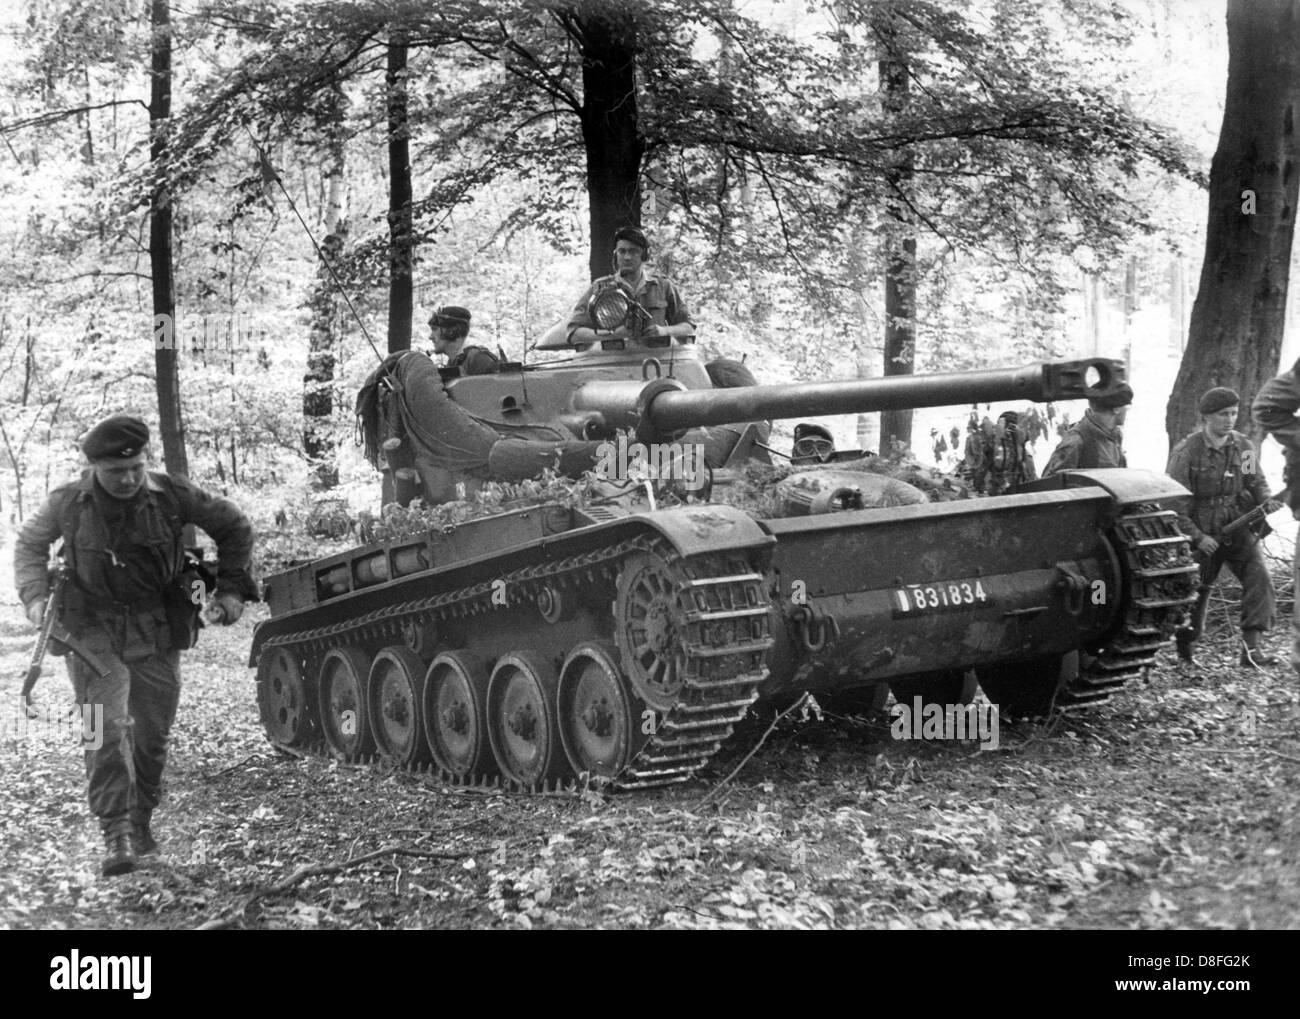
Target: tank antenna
269 175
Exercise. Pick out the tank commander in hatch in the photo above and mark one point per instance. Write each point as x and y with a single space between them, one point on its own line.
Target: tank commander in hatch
1097 439
658 308
449 326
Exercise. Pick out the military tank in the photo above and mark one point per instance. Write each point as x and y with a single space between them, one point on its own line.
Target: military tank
622 640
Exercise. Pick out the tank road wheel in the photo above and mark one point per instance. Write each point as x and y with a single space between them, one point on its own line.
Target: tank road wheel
282 698
648 628
455 716
521 719
953 686
1027 689
396 689
599 723
344 719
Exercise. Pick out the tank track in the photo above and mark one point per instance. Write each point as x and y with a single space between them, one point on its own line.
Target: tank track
725 641
1156 558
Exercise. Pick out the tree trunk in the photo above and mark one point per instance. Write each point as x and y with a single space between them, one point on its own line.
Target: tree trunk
609 128
401 241
166 372
1235 336
318 438
900 242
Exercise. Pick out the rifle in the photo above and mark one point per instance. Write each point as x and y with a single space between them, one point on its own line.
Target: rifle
52 629
1248 520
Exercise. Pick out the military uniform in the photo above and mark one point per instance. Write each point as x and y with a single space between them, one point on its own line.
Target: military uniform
474 360
1225 483
1087 444
1274 410
657 295
123 554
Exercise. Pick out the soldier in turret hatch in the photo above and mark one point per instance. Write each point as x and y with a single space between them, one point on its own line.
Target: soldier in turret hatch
659 309
450 328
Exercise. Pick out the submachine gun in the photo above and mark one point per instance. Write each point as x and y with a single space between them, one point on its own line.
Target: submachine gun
53 630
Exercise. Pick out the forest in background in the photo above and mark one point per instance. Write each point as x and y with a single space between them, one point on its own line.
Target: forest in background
1019 254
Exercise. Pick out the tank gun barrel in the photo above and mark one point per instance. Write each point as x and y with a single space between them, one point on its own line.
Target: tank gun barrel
672 410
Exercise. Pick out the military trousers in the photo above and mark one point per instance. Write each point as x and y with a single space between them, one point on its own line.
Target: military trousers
139 696
1258 606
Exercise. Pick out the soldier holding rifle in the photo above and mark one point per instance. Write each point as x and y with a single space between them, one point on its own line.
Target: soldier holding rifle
1220 467
130 607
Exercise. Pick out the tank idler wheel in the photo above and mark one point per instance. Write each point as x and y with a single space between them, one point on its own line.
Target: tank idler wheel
287 714
1027 689
455 716
345 721
396 689
522 726
952 686
600 720
648 624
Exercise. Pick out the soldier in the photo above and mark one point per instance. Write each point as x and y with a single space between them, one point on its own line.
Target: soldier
1097 440
1007 461
660 309
1220 467
450 327
1274 410
122 541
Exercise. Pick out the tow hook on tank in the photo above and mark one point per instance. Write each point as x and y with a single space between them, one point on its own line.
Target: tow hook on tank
1073 586
813 629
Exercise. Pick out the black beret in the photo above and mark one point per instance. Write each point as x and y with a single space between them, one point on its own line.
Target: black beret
631 233
1120 396
450 315
120 437
1217 399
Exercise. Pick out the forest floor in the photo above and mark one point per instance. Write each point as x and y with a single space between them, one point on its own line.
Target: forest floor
1176 805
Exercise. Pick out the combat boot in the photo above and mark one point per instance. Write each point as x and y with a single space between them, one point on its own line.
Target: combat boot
119 857
1187 667
1252 655
142 840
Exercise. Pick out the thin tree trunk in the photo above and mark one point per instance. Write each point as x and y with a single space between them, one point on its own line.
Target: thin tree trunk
610 131
318 438
900 241
401 239
1235 337
166 371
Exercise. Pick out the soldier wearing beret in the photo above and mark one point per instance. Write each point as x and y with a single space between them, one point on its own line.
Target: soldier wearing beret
121 527
450 328
659 309
1220 467
1097 439
1274 410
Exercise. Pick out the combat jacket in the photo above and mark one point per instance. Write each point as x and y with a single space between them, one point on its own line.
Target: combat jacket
123 553
1224 482
474 360
1274 410
657 295
1087 444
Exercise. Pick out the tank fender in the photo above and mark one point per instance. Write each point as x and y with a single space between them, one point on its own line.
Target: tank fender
693 530
1125 484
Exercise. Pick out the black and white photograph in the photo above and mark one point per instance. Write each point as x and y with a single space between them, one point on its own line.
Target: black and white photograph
529 465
